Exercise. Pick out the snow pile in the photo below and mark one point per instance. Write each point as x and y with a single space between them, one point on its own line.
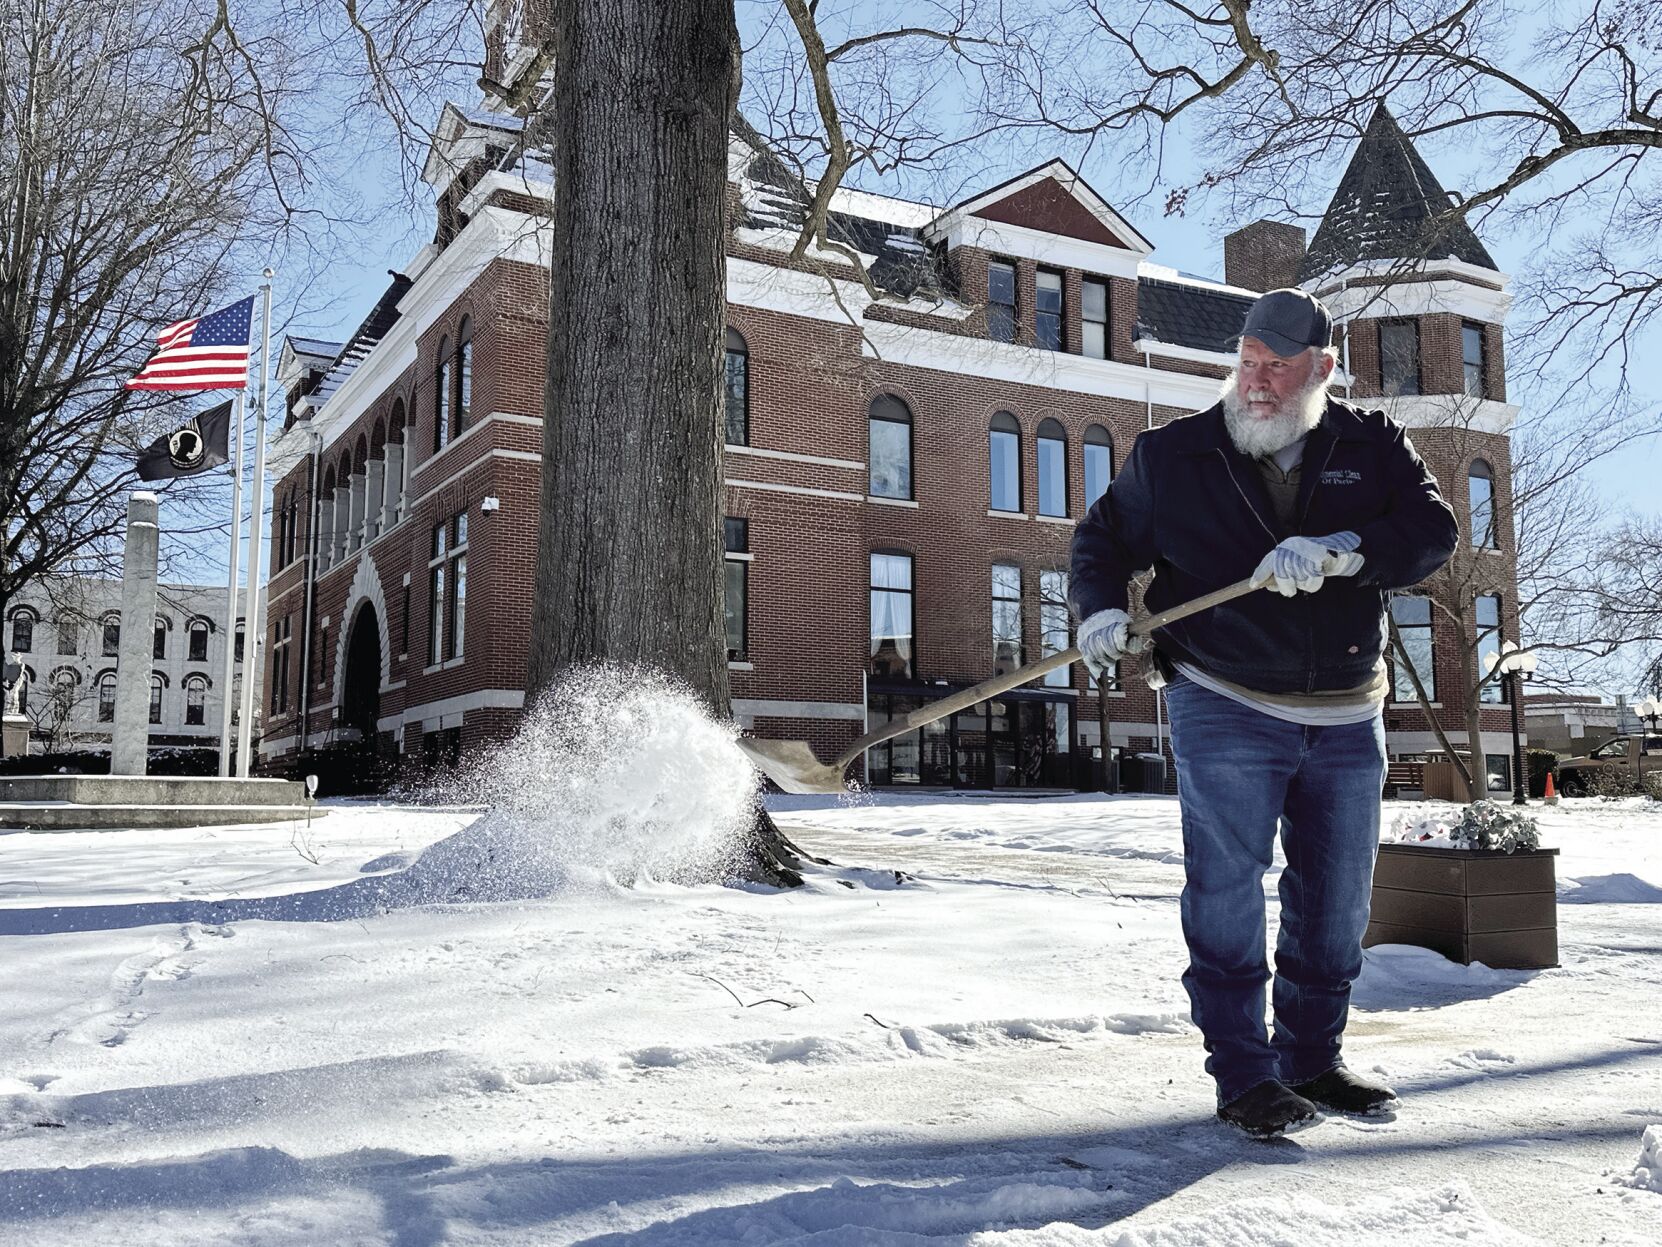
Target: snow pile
1447 1215
1647 1174
1480 825
613 776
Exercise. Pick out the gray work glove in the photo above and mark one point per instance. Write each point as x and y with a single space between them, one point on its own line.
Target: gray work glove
1300 564
1105 638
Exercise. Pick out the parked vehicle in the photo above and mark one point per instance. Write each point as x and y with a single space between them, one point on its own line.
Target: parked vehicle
1620 755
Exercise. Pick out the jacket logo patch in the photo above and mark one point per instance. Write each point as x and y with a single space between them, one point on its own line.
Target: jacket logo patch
1341 476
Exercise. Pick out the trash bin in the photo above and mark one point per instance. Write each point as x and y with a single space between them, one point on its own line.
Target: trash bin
1151 772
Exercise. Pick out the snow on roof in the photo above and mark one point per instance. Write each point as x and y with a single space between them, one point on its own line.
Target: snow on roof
1161 272
496 121
313 346
883 208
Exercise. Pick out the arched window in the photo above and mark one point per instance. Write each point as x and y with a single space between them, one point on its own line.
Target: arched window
112 633
1480 484
23 629
198 634
65 683
464 374
441 397
1004 463
1099 463
158 644
396 436
891 447
196 697
106 697
736 389
1053 468
156 685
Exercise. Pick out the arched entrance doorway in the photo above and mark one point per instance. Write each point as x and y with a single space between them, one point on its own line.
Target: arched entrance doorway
360 702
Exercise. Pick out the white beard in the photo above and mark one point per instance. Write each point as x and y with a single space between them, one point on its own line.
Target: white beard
1256 436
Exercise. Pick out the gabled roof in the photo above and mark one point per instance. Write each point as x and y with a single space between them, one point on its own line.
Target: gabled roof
463 135
1385 208
299 354
1053 198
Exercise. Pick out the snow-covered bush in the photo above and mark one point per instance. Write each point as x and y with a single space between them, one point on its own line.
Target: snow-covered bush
1480 825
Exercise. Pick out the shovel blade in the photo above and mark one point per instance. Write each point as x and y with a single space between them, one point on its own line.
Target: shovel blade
792 765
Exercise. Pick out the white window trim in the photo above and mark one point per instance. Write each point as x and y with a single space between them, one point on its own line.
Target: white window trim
893 502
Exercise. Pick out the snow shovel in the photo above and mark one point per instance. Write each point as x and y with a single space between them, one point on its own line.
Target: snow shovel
792 765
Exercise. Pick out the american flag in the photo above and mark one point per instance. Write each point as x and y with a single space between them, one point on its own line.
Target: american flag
206 353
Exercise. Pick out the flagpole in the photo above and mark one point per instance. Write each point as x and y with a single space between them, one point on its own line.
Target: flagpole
251 669
229 676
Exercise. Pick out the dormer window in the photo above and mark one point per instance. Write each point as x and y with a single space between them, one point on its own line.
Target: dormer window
1093 319
1047 311
1001 301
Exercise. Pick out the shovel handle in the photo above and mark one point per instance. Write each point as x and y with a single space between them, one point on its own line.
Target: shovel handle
965 698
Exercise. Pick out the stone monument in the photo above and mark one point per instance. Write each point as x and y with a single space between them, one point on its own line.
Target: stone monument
129 797
130 742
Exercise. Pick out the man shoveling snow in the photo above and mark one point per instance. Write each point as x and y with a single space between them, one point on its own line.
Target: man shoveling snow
1275 698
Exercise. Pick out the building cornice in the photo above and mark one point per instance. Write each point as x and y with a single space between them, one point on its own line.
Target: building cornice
1030 244
1449 411
1029 365
1383 288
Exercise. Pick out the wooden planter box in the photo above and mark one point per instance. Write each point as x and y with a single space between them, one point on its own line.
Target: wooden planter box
1468 904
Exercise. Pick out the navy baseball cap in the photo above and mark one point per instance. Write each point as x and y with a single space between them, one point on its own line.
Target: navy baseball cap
1289 322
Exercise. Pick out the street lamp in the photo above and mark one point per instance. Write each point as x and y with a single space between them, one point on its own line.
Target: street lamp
1650 710
1515 666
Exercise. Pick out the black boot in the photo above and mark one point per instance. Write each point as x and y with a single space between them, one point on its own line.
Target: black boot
1346 1092
1267 1110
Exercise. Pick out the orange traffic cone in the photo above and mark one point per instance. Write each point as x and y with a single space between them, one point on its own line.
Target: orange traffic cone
1551 793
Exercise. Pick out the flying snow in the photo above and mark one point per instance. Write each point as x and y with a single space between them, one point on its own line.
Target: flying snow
615 774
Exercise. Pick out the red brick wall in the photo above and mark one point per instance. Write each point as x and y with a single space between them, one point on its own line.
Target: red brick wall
810 387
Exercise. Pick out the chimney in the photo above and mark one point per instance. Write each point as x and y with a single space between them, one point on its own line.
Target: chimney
1263 256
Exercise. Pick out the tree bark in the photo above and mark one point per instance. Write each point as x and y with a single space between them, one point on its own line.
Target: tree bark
630 556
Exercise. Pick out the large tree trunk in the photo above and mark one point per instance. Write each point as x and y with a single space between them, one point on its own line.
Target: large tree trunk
630 557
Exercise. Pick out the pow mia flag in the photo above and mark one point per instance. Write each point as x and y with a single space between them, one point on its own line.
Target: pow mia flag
201 443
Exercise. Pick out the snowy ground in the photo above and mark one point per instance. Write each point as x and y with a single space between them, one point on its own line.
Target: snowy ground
268 1036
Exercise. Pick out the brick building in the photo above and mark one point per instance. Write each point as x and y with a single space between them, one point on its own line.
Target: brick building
903 474
65 633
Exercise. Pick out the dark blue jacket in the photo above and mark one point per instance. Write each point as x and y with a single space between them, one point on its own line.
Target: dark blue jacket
1193 508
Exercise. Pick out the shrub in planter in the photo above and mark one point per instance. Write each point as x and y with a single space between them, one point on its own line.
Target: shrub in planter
1471 883
1480 825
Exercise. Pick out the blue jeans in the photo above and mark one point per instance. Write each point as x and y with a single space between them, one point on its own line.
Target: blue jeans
1239 774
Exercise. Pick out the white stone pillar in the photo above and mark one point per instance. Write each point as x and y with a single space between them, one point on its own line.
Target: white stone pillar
130 742
355 517
375 488
343 505
394 485
326 533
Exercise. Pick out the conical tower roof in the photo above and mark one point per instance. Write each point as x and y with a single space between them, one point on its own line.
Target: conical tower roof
1384 209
